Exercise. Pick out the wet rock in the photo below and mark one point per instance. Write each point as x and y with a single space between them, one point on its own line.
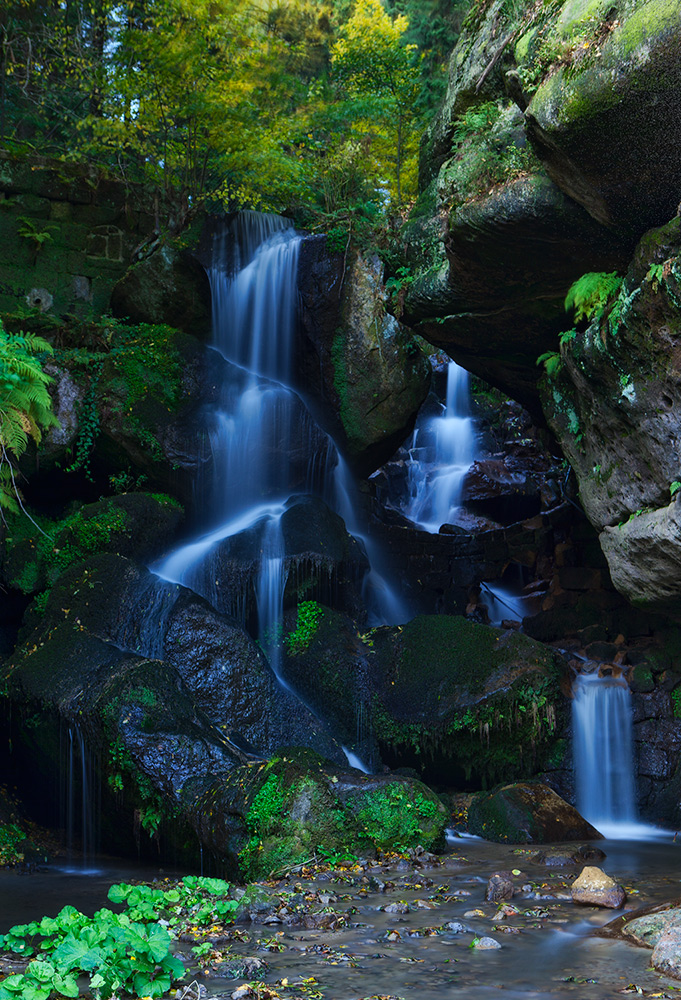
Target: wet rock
485 944
649 929
594 888
168 286
499 887
321 559
666 955
364 374
525 813
456 927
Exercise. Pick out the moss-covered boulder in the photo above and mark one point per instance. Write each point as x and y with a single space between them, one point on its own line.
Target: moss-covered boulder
326 661
297 803
166 286
527 813
464 703
35 553
361 370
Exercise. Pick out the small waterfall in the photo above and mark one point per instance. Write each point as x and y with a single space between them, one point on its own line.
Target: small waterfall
80 794
441 453
603 753
259 424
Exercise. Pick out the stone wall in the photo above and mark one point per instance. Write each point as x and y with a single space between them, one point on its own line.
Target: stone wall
67 234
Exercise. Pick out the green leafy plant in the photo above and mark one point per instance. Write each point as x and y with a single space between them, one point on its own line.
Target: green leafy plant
309 616
25 405
116 953
655 275
552 362
589 296
674 487
30 231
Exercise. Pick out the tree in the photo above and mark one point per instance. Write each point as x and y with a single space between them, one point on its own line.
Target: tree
371 59
25 405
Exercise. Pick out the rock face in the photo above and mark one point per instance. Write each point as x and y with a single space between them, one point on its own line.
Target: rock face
613 403
666 955
535 172
527 813
361 369
649 929
169 286
594 888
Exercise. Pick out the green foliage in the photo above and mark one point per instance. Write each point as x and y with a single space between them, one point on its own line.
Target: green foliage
674 488
266 806
476 120
193 901
552 362
309 616
394 817
25 405
590 295
125 482
29 231
655 275
11 839
115 953
676 702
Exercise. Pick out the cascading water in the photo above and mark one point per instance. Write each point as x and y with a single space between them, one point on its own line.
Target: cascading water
603 753
79 799
253 429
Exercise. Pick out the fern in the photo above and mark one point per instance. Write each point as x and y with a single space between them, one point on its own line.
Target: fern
552 362
25 405
590 294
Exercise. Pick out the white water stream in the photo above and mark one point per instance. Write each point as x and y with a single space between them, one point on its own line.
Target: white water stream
441 452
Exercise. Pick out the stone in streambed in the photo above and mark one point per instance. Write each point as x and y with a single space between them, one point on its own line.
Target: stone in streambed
666 956
526 812
499 887
649 929
594 888
485 944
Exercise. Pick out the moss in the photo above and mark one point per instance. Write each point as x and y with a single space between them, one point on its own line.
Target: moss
399 817
309 615
649 20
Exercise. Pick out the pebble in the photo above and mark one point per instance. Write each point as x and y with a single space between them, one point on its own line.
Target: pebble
485 944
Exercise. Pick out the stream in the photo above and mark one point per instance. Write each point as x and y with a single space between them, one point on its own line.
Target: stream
548 949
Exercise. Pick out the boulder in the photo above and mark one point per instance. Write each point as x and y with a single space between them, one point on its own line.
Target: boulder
649 929
363 374
168 286
526 813
464 703
594 888
320 559
169 771
536 170
223 669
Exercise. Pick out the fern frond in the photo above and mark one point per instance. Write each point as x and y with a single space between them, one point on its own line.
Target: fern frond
589 295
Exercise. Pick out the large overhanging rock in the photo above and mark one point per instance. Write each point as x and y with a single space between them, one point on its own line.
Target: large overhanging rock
515 208
360 369
614 403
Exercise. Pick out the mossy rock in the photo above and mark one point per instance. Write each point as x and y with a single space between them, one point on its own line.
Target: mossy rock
285 810
169 286
527 813
36 553
465 703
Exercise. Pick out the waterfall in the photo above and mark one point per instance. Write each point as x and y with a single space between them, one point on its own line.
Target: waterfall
442 451
256 428
79 794
603 753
